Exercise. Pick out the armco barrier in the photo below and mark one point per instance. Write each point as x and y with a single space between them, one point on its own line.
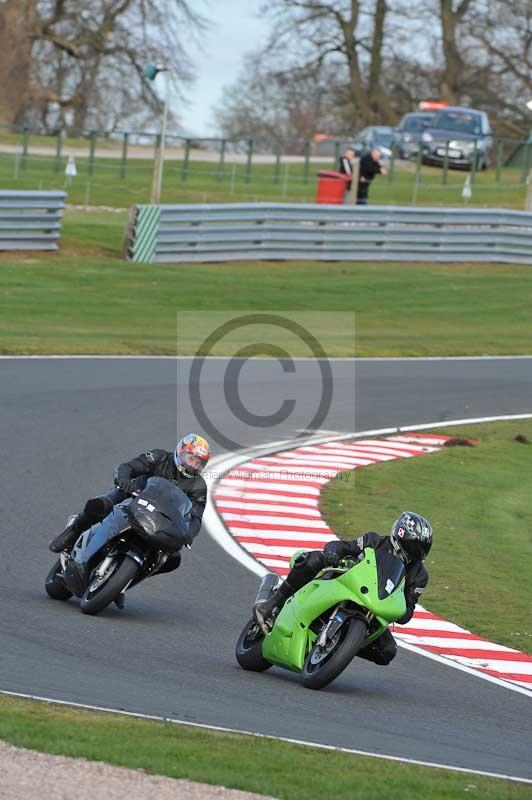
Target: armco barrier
30 220
228 232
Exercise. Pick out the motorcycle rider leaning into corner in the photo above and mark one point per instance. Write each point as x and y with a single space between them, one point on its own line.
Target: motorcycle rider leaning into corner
410 539
183 467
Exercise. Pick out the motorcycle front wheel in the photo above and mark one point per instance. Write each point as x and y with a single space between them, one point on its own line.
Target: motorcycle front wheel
54 584
249 648
324 664
95 600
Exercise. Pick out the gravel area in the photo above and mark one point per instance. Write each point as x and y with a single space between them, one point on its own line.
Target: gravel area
28 775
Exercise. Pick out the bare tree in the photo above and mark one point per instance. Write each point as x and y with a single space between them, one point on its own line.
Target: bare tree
279 106
17 18
84 54
452 17
502 49
350 33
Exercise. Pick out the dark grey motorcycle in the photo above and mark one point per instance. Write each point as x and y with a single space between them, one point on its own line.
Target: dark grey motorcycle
130 544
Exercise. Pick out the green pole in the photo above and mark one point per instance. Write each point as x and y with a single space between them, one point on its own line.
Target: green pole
392 164
92 148
474 163
419 159
499 161
123 161
445 163
277 172
221 163
336 154
307 162
25 145
249 160
526 162
186 159
58 146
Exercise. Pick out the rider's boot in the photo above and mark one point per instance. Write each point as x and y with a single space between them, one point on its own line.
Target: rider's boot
95 510
68 537
267 611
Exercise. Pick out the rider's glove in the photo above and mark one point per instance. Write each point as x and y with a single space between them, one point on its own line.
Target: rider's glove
330 558
125 485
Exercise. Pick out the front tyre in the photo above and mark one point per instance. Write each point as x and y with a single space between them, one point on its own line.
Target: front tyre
249 648
324 664
95 600
54 584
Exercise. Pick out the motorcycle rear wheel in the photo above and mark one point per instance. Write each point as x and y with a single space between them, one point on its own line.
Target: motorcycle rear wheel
249 649
95 601
54 584
320 669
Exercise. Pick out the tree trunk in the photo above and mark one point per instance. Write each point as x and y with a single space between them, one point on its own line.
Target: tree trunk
454 65
377 101
357 90
17 18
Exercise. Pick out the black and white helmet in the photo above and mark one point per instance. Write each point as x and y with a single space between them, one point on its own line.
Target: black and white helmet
411 536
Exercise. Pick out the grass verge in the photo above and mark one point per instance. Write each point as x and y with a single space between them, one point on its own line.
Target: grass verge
478 499
240 762
86 299
207 182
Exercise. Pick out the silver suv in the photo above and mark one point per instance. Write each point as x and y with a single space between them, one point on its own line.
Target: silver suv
461 132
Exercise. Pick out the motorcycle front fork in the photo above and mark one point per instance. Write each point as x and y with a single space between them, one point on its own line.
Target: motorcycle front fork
336 620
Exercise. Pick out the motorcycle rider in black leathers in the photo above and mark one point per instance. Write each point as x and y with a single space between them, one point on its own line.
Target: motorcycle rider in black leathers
410 539
183 467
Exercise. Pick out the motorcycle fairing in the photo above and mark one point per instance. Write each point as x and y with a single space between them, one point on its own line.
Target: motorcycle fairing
161 511
292 638
89 544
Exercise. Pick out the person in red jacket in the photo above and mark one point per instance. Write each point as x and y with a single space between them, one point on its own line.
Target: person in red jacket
410 539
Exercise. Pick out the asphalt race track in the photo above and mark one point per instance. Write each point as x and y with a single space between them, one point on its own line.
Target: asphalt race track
67 422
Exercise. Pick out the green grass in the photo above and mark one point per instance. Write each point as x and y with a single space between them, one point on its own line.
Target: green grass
285 771
207 182
478 499
86 299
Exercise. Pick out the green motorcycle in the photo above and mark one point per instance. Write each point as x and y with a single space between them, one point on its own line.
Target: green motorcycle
322 627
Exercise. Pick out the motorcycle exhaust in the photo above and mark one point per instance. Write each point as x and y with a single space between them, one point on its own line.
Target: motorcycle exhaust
268 585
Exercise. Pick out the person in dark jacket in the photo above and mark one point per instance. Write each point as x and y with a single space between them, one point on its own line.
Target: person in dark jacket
368 168
410 539
183 467
346 168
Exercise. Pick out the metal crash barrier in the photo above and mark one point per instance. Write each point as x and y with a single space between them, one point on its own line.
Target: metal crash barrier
281 231
30 220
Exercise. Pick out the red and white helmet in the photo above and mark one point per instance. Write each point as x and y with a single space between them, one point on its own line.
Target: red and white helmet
191 455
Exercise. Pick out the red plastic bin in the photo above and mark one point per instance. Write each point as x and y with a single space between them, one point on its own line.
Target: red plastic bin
331 186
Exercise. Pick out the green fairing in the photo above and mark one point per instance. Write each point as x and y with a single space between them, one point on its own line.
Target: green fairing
291 638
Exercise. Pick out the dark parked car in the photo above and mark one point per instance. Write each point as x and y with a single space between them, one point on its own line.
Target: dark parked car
381 136
457 129
408 133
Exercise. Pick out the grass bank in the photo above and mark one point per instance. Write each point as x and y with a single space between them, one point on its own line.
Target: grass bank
208 182
478 499
285 771
86 299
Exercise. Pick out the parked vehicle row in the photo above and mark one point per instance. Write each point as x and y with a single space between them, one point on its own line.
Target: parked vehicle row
453 135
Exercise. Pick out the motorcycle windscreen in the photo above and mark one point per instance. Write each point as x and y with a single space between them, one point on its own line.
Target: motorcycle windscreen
390 572
161 506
